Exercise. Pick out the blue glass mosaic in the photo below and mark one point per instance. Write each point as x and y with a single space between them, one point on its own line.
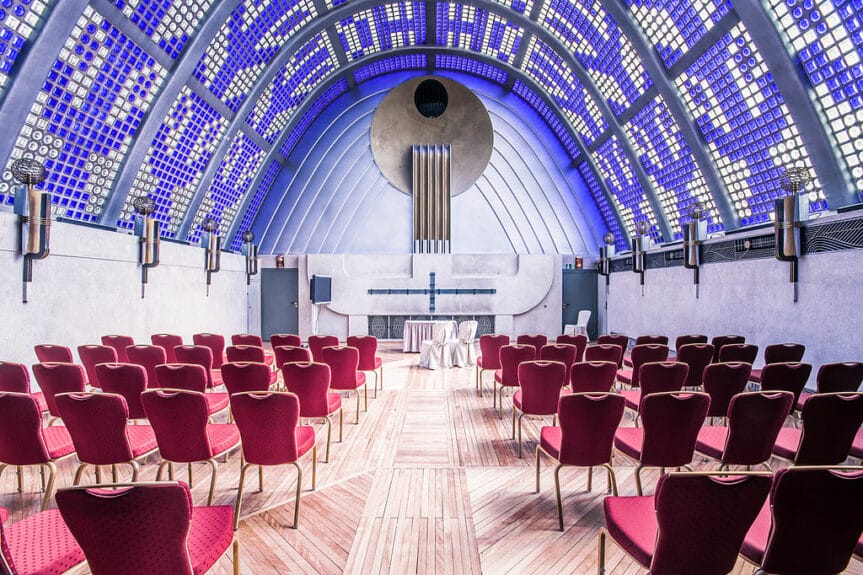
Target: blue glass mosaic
477 30
382 28
170 23
608 214
18 20
318 106
471 66
264 185
551 118
389 65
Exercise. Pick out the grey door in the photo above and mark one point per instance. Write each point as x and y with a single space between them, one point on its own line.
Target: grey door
579 292
279 297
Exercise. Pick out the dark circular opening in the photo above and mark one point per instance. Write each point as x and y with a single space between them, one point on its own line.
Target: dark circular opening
430 98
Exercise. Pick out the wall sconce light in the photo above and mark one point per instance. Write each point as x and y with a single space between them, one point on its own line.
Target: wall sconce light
790 211
34 207
605 254
212 248
640 243
280 261
250 250
147 230
694 232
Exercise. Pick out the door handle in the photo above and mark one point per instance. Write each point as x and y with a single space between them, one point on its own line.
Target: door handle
566 305
295 304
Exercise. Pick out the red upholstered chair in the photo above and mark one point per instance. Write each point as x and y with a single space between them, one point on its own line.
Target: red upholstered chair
367 345
39 543
670 424
697 356
215 342
537 340
540 387
49 353
56 378
93 355
179 419
291 353
739 353
834 378
271 435
675 530
719 341
615 339
119 343
148 357
682 340
592 376
280 339
857 446
126 379
722 381
811 523
754 421
192 378
15 378
830 421
644 340
786 377
343 362
199 355
579 340
604 352
489 359
657 377
565 353
249 354
168 342
779 353
310 382
507 375
584 439
240 376
319 342
253 340
641 354
148 528
23 440
100 432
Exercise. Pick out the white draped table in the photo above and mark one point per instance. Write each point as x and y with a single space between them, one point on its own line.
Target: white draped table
418 330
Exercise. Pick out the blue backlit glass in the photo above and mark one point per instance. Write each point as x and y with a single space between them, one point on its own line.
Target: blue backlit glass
551 118
170 23
607 211
471 66
382 28
389 65
261 192
477 30
18 20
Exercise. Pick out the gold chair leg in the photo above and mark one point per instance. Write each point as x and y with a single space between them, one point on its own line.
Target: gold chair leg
314 466
366 397
98 475
612 478
589 479
136 469
20 479
114 473
341 422
297 499
191 476
601 552
357 422
513 422
42 476
638 480
376 383
537 469
78 473
329 436
236 554
520 416
49 487
260 478
557 492
160 470
213 475
239 501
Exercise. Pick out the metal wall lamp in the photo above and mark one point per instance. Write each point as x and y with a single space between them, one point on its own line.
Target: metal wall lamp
250 250
789 212
147 230
212 249
34 207
694 233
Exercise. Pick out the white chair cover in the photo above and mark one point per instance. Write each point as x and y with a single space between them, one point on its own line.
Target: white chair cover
463 349
581 323
435 353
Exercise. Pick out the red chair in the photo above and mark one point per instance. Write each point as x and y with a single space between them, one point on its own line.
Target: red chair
843 377
719 341
119 343
656 377
167 342
754 421
675 530
645 340
540 387
857 446
584 439
343 362
367 345
565 353
240 376
579 340
670 424
811 523
739 353
93 355
215 342
56 378
179 420
39 543
319 342
271 435
592 376
14 378
780 353
190 377
614 339
310 382
489 359
786 377
604 352
722 381
98 424
507 376
291 353
537 340
126 379
641 354
147 528
253 340
682 340
249 354
49 353
280 339
24 442
830 421
203 356
697 356
148 357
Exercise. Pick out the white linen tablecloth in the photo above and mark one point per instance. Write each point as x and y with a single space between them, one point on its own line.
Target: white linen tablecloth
418 330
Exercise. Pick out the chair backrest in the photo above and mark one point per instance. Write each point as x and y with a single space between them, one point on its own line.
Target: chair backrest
14 377
247 339
583 318
592 376
754 421
343 362
682 340
21 440
56 378
604 352
126 379
97 424
614 338
646 353
119 343
697 356
310 382
290 353
537 340
190 376
131 531
367 345
319 342
830 422
179 420
722 381
268 426
662 376
739 352
784 352
579 340
440 333
148 357
816 520
690 506
512 355
657 339
540 383
467 331
835 377
196 355
489 349
50 353
240 376
168 342
246 353
785 377
719 341
587 425
215 342
671 423
278 339
93 355
562 352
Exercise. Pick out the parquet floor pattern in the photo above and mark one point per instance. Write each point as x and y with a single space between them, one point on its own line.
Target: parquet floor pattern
428 482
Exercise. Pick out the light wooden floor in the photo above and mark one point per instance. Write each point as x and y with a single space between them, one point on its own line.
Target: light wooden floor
428 482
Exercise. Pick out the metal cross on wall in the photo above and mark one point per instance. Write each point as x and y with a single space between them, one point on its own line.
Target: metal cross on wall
431 291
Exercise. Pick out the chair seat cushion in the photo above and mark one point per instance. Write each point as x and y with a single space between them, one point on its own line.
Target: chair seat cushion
517 399
305 439
42 545
210 534
755 375
216 402
787 442
141 439
4 515
632 398
628 440
711 440
274 377
498 378
217 377
801 401
624 375
223 436
549 440
756 539
857 446
334 402
40 401
269 360
627 360
58 441
858 551
378 362
481 364
631 522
